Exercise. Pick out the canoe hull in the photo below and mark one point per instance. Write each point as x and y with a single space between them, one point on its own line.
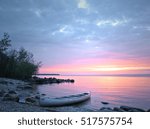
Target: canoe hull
66 100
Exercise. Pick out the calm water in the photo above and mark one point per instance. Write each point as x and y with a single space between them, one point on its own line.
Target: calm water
130 91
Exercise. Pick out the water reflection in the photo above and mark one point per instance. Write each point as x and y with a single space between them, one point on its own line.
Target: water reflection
131 91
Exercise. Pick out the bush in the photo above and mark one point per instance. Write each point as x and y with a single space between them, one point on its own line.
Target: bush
16 64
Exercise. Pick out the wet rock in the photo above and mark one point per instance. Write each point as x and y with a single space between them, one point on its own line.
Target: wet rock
34 77
40 81
11 83
28 87
148 110
131 109
4 82
2 92
106 109
125 108
136 110
12 92
43 94
30 100
22 100
37 96
50 110
20 87
10 97
59 81
105 103
118 109
37 80
72 81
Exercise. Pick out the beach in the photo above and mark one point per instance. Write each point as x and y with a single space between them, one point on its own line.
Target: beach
24 90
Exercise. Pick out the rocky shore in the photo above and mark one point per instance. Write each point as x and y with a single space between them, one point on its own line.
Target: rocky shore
20 96
37 80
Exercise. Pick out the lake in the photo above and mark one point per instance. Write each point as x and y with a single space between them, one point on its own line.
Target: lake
116 90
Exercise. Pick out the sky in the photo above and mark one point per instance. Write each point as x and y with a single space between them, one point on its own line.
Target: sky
81 36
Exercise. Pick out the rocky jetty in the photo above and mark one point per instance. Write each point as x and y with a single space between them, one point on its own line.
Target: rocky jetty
37 80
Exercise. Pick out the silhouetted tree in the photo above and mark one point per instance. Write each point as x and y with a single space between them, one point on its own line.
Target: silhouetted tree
16 64
4 43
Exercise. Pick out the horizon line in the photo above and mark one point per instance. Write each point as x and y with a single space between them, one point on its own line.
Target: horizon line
137 75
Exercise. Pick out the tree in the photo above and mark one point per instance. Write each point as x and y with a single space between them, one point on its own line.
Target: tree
26 65
16 64
4 43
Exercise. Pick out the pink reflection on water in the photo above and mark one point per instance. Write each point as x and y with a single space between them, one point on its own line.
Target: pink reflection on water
131 91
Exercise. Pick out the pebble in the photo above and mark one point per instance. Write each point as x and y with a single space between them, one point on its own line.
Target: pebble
105 109
30 100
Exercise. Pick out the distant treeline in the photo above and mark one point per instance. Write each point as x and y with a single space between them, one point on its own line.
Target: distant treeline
17 64
48 74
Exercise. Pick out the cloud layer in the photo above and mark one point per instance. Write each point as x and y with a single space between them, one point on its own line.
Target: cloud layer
65 31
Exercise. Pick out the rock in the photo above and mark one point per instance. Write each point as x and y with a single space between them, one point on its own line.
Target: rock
37 80
69 80
131 109
136 110
148 110
20 87
30 100
118 109
50 110
4 82
37 96
10 97
43 94
106 109
34 77
28 87
22 100
59 81
12 92
54 80
11 83
125 108
2 92
72 81
104 102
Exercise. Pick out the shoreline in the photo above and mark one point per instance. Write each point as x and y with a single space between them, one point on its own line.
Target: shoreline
20 96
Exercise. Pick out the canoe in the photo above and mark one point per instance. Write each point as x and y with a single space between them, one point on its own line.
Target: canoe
65 100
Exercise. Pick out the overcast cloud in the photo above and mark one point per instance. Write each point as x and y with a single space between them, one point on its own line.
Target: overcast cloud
60 31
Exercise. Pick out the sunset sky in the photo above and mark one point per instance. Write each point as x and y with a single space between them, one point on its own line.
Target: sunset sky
81 36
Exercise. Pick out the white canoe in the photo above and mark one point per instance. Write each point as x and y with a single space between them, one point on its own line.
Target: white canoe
66 100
